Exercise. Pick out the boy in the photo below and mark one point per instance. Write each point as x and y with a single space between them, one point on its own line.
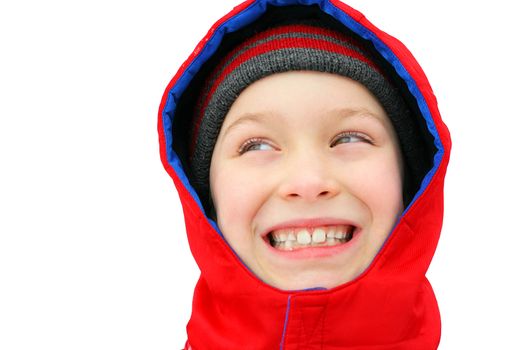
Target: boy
310 161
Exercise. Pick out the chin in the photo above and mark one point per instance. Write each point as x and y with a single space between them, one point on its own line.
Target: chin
313 280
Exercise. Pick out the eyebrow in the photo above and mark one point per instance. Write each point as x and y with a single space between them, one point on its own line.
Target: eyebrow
338 113
250 117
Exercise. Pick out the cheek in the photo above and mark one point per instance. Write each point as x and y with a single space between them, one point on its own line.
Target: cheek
380 186
236 198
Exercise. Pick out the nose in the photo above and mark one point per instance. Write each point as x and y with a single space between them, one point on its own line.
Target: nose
309 178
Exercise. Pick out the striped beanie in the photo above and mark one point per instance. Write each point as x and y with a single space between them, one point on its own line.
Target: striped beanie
298 46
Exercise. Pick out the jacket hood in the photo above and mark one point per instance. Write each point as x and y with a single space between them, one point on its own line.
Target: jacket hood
391 305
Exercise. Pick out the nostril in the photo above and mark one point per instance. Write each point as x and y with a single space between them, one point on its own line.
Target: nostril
321 194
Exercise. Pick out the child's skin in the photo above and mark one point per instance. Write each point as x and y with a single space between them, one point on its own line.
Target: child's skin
302 171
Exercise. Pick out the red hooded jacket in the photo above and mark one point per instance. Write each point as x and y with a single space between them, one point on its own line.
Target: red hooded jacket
389 306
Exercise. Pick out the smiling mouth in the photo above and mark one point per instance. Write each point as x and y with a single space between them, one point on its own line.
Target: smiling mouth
300 238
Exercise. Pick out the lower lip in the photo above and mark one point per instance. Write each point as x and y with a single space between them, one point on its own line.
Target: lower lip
316 252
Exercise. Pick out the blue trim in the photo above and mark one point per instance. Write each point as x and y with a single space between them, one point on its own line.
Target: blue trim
281 345
242 19
391 58
247 16
312 289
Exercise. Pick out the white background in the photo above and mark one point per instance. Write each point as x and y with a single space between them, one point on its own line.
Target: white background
93 253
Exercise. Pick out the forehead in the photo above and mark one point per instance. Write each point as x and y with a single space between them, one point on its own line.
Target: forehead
302 97
333 116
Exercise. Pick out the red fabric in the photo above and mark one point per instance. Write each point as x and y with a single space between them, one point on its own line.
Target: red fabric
390 306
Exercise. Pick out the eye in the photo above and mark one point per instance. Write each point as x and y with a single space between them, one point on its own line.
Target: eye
255 144
350 137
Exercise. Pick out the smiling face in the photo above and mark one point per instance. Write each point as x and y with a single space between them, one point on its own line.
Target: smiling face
306 179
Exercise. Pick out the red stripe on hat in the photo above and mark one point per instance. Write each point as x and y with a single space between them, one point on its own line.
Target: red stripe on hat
273 45
286 29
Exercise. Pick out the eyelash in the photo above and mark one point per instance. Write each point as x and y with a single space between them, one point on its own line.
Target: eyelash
359 135
253 141
257 140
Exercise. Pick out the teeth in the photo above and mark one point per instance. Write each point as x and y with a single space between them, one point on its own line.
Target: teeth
340 232
303 237
289 239
319 235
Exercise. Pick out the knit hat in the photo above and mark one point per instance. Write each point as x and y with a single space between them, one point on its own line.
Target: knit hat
288 47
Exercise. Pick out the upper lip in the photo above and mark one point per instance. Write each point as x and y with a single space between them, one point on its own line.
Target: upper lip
312 222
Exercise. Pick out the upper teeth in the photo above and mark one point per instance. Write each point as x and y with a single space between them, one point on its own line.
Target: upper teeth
304 236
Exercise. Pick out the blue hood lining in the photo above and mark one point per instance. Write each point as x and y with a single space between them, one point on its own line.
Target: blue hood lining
246 17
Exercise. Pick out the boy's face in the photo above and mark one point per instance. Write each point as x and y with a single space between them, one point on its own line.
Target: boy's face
306 179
